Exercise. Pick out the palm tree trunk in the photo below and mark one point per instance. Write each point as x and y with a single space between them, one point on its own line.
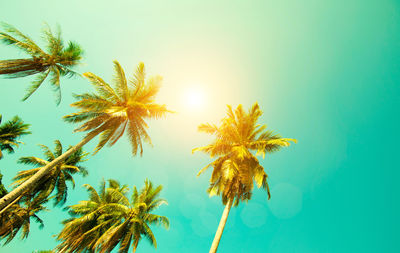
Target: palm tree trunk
221 226
9 205
28 184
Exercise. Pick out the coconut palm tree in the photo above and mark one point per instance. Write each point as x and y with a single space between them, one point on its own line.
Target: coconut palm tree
238 140
10 132
109 219
109 112
81 232
57 178
18 217
57 60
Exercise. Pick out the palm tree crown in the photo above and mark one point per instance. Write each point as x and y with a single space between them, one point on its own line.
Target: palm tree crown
109 219
57 178
111 111
10 131
238 140
57 60
17 217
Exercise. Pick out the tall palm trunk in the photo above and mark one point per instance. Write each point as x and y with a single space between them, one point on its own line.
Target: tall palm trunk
28 184
221 226
21 67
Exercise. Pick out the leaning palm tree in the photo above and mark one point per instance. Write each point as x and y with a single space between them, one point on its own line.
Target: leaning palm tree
109 219
10 131
238 140
108 113
56 61
18 217
57 178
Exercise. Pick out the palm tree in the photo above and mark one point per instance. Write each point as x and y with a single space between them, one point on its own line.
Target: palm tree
109 219
10 131
58 176
18 217
80 233
236 166
56 61
108 113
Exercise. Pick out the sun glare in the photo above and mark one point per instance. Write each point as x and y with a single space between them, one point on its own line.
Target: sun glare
194 97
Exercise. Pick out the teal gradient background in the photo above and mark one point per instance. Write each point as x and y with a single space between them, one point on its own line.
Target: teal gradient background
324 72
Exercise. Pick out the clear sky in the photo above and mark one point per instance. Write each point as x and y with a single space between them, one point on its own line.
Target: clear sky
324 72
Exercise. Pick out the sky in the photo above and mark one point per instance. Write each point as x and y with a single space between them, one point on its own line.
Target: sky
324 72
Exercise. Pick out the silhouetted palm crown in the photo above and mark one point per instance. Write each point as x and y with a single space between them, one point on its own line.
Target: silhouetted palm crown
10 131
58 177
237 139
57 61
111 111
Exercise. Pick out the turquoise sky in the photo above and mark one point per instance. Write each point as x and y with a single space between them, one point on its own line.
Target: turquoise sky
324 72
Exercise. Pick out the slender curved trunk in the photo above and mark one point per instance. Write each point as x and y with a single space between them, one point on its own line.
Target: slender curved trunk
28 184
221 226
9 205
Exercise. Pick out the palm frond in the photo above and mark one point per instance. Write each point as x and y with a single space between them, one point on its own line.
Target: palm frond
25 43
120 81
55 82
35 84
101 86
54 41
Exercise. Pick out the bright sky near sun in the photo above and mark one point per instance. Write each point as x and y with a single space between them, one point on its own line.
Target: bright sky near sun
194 97
324 72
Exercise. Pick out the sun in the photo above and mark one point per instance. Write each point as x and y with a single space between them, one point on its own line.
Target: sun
194 97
